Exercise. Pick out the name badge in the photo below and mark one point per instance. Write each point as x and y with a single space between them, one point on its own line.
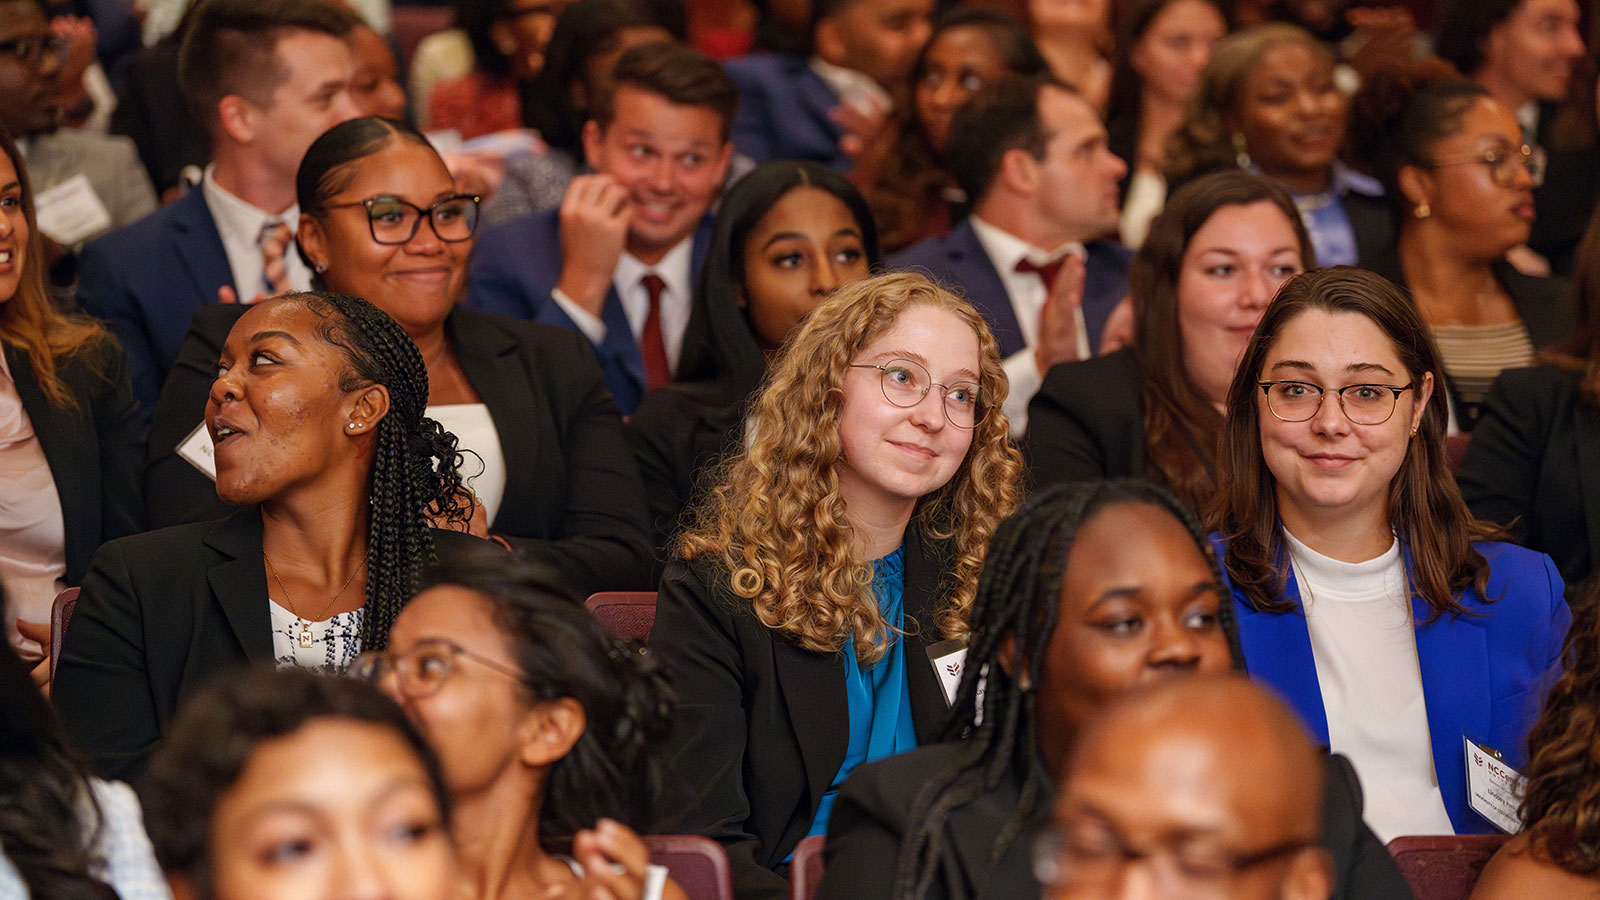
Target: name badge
198 450
1494 789
71 211
949 660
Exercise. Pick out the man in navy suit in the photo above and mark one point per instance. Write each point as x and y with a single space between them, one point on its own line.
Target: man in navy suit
1033 157
821 107
267 77
618 259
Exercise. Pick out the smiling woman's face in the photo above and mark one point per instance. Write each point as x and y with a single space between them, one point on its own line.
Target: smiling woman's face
417 283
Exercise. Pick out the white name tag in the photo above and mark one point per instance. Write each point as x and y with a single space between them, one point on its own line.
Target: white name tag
1494 789
949 660
71 211
199 451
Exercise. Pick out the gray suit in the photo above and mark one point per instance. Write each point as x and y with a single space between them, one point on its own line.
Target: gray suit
110 162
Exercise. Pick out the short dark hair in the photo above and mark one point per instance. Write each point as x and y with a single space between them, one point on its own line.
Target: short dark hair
1465 26
1401 112
220 729
999 118
683 76
231 47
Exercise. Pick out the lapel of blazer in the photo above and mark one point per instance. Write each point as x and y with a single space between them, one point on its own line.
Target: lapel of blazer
1586 424
240 584
489 359
984 287
924 590
199 247
71 451
813 692
1277 651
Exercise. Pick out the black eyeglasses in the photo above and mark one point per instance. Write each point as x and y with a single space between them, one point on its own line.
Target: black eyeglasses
423 669
1506 162
1363 404
394 221
36 49
905 383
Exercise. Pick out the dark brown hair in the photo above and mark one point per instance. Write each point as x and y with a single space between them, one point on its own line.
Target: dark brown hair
1181 427
1561 801
999 118
1425 506
1401 112
231 47
682 76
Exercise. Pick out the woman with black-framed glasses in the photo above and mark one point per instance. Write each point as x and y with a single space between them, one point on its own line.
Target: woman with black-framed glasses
547 730
1395 624
547 464
1460 182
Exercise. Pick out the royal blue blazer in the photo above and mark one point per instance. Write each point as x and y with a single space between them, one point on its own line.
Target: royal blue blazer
1483 675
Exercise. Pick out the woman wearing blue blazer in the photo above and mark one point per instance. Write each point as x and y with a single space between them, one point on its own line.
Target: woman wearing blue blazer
1394 623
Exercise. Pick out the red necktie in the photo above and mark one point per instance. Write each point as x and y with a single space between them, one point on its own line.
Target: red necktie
1046 271
652 347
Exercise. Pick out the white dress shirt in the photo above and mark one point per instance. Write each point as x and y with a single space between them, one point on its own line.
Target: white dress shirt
239 224
628 279
1027 293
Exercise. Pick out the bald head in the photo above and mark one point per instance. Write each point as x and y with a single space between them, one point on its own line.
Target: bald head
1196 786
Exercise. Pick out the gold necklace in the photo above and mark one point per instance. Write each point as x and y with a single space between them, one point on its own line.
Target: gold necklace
304 634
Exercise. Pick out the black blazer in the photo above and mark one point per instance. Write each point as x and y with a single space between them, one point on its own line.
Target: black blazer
679 434
762 725
1544 304
93 451
1087 422
572 499
870 819
160 614
1533 465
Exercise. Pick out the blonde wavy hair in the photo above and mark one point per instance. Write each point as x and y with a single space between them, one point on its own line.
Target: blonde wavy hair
775 519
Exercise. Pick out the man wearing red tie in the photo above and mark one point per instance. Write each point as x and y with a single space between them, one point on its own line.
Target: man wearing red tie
617 260
1033 158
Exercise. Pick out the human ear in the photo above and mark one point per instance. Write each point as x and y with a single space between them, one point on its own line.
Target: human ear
828 39
593 138
313 241
549 730
370 405
1019 172
1417 186
238 118
1424 394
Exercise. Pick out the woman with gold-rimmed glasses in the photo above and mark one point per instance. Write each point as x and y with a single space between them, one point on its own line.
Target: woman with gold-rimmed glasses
546 729
1394 623
546 462
840 543
1460 179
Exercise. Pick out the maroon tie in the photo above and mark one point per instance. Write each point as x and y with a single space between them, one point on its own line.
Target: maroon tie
1046 271
652 347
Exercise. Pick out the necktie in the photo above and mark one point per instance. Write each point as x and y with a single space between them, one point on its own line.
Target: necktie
651 345
1046 271
274 240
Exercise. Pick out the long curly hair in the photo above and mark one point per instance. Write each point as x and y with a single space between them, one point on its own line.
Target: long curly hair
415 472
1015 611
775 519
1425 506
1561 802
29 320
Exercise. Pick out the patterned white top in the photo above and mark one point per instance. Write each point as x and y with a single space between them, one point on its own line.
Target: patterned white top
333 643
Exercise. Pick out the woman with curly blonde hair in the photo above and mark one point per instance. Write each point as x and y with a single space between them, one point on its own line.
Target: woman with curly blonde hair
839 544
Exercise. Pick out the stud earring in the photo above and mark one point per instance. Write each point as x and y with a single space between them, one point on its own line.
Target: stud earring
1422 211
321 267
350 425
1241 152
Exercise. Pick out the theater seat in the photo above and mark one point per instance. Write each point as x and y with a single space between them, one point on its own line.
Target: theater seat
1445 866
60 615
626 615
805 870
698 864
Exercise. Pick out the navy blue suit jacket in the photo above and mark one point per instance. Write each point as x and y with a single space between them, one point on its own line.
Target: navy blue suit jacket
148 278
516 266
783 111
957 261
1484 675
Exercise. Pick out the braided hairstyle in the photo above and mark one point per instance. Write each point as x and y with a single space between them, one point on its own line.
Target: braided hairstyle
994 716
415 474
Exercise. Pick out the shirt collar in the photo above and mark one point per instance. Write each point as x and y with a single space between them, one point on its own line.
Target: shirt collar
673 268
1006 249
237 217
853 87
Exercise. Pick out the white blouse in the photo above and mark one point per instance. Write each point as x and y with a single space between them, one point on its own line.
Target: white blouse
484 468
33 535
1364 644
329 645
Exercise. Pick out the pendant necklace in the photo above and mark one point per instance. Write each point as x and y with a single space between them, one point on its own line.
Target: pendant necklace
303 633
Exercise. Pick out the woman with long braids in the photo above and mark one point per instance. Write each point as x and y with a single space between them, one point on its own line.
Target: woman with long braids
541 442
317 417
841 542
1094 588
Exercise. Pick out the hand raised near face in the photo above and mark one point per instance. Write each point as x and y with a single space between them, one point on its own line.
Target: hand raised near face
1058 320
594 228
